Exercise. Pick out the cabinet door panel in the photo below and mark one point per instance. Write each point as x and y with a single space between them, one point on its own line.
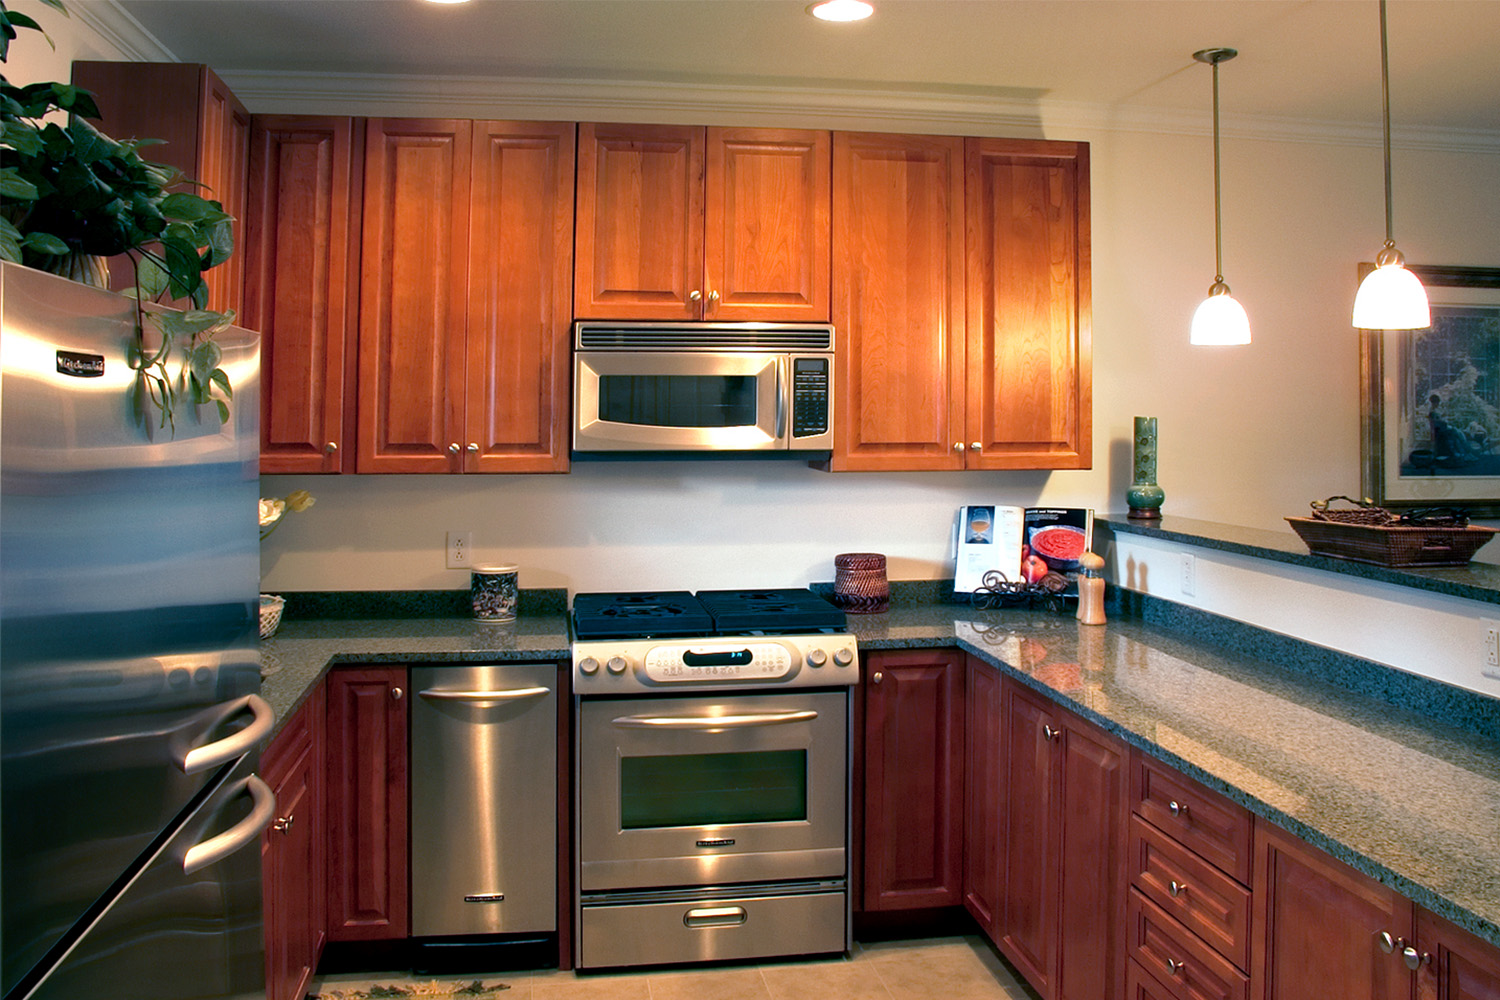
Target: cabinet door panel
368 831
1318 923
1029 848
640 222
292 870
1092 876
1029 363
898 301
1461 967
983 795
766 224
299 286
520 288
913 779
414 292
223 162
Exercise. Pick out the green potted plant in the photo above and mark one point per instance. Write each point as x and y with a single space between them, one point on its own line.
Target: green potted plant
71 197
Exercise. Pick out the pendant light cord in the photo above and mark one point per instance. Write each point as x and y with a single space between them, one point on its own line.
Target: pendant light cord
1385 108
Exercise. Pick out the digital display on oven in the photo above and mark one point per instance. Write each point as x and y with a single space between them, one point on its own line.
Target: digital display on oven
757 661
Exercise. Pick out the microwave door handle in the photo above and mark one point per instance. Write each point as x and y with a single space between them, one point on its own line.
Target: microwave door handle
781 435
713 722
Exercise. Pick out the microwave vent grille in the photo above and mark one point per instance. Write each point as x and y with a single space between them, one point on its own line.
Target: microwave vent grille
704 337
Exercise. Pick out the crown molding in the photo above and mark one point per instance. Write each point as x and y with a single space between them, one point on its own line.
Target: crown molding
114 24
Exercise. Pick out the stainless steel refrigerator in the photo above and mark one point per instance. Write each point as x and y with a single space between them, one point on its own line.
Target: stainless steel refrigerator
130 719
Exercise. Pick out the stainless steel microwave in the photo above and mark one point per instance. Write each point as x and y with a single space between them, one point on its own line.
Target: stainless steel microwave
702 387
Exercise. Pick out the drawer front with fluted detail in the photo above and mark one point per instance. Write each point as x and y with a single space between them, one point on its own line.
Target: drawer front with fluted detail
1209 903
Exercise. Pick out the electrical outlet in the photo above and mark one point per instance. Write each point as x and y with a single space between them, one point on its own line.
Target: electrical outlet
1490 665
1189 574
459 545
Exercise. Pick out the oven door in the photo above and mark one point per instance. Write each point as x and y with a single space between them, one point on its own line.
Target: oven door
664 401
712 789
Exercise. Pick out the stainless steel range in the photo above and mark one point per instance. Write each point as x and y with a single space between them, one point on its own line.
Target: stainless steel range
713 775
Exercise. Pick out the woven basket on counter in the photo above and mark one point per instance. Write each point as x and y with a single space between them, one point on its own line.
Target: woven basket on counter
1370 534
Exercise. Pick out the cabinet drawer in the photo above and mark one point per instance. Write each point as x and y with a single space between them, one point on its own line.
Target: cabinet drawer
1141 985
1187 967
1206 823
1207 902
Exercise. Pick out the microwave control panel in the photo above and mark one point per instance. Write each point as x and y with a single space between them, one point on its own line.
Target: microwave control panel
810 378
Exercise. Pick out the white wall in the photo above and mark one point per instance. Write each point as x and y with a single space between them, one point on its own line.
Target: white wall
1247 435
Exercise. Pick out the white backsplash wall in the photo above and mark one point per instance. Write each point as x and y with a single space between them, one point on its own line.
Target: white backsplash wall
686 524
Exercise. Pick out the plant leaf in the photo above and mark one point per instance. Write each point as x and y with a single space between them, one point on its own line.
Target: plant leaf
10 241
186 207
22 137
45 243
150 277
221 379
14 186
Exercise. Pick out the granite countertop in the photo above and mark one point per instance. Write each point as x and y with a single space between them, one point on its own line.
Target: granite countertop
1410 799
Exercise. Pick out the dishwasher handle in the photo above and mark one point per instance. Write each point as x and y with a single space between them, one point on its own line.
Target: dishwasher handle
483 697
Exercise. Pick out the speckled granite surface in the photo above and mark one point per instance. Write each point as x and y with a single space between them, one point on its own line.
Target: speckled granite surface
1476 581
1404 796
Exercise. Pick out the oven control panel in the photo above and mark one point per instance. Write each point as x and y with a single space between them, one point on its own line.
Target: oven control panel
622 666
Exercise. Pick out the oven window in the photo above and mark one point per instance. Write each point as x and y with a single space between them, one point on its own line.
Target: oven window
698 789
678 400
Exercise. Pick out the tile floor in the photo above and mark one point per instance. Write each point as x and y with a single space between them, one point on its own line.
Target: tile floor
952 968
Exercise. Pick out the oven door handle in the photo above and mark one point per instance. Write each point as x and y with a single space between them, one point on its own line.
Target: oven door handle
483 697
712 723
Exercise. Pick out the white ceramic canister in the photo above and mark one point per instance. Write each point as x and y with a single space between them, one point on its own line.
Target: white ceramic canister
493 591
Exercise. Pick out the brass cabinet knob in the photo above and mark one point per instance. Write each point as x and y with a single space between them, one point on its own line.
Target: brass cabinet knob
473 448
330 447
397 694
695 296
454 449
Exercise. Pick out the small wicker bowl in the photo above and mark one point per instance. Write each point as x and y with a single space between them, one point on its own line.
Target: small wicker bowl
270 614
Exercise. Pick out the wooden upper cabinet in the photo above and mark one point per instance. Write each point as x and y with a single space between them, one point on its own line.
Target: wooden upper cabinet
898 301
301 291
687 223
1029 362
205 133
520 296
414 295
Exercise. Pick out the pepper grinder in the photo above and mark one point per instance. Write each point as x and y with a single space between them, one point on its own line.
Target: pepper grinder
1091 589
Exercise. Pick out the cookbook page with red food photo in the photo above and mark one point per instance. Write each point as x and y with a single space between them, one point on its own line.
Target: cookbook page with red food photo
1055 538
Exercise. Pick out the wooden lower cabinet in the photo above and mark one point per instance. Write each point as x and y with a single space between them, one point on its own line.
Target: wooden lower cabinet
1455 965
982 794
913 779
368 842
291 851
1062 849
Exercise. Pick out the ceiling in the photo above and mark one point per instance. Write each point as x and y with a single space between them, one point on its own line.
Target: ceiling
1303 60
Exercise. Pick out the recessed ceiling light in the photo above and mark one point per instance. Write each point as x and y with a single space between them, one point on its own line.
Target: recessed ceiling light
841 10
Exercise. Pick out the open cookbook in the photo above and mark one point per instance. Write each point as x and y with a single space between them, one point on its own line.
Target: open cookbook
1023 543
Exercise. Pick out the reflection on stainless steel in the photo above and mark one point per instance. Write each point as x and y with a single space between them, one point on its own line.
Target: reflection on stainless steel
484 799
127 618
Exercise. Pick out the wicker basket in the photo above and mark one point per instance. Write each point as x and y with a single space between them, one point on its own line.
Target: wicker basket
1391 545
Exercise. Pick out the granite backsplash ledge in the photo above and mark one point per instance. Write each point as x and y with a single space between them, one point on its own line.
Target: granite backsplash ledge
308 605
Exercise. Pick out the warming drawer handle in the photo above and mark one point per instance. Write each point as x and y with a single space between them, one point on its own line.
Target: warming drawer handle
712 722
244 832
480 697
211 755
714 916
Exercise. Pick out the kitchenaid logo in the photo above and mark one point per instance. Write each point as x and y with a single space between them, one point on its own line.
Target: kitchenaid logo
80 365
728 842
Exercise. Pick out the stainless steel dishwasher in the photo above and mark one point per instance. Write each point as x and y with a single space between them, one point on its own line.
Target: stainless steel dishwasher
484 799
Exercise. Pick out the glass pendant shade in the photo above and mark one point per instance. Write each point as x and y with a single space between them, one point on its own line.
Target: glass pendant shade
1220 321
1391 298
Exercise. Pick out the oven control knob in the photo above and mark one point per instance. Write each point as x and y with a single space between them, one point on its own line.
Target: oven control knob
588 666
616 665
843 657
817 658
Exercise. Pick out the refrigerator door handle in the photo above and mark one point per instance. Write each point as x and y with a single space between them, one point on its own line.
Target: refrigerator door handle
245 832
213 754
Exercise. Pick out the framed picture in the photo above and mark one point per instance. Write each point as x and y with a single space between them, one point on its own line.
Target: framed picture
1430 399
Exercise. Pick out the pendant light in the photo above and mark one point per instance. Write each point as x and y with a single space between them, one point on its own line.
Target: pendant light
1219 320
1390 297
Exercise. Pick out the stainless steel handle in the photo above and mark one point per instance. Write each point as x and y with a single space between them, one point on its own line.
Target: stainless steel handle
1176 888
1176 808
454 449
330 447
242 833
714 916
397 694
1386 942
483 697
877 677
1049 734
283 824
781 364
712 722
695 296
1174 967
211 755
1414 959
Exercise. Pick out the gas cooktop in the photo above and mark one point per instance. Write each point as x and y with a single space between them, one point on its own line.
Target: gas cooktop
680 614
